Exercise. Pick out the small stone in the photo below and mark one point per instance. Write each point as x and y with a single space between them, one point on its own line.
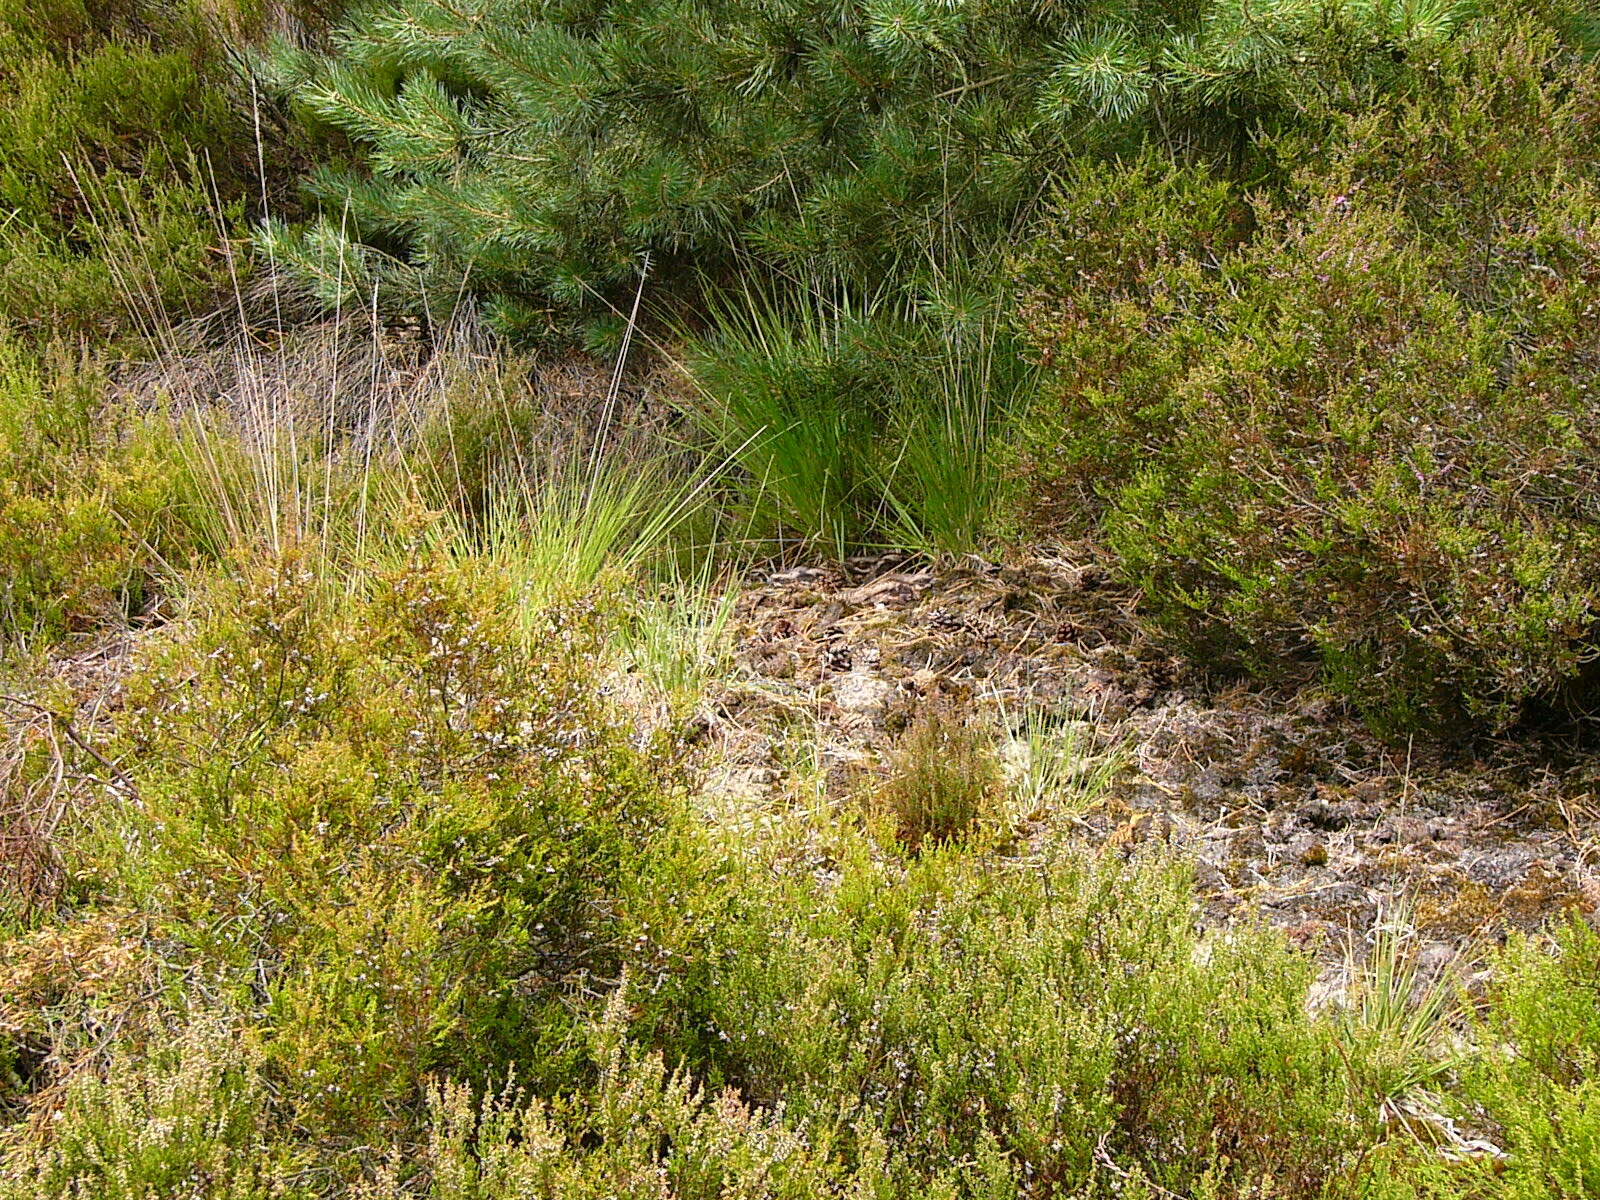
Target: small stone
862 694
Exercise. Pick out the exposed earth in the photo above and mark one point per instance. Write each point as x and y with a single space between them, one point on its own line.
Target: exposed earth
1289 809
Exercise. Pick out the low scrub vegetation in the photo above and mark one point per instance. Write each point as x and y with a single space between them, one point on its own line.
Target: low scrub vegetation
370 823
490 956
129 154
945 779
1353 426
86 499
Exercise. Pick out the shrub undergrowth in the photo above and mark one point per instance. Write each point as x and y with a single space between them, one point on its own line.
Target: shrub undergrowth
351 673
1353 427
131 151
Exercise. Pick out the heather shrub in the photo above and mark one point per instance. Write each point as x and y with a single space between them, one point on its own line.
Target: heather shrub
188 1119
391 824
112 217
86 495
645 1129
1539 1082
1352 428
1062 1013
944 778
128 157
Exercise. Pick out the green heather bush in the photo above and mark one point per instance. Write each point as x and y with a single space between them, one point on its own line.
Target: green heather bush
1539 1082
383 821
1353 427
110 213
645 1130
85 499
944 778
189 1119
1060 1013
127 152
953 1027
536 155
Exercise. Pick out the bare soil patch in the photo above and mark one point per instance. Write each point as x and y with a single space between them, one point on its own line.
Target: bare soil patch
1290 808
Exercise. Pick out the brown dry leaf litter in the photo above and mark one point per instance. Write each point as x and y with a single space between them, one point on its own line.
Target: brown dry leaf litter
1289 808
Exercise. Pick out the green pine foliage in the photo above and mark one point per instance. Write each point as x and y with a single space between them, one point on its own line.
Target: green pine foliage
537 154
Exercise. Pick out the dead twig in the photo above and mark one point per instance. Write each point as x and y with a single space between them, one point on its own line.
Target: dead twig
70 731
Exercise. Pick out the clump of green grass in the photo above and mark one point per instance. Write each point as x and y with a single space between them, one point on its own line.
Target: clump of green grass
677 635
557 537
1407 1016
789 393
1050 764
858 422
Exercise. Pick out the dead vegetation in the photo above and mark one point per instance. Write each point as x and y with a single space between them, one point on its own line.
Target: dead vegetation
50 765
1289 808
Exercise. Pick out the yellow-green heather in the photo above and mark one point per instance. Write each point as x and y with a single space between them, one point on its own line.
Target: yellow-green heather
786 600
